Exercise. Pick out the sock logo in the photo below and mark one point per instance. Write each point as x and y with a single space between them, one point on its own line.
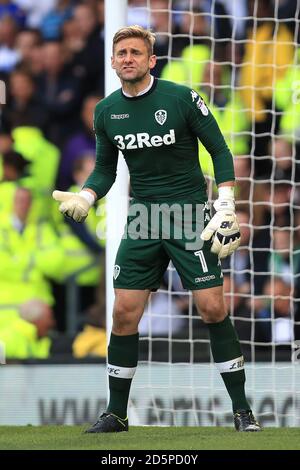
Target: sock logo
237 365
120 372
231 366
112 370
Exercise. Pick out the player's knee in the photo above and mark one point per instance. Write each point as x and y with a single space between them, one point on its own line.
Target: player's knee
125 317
213 312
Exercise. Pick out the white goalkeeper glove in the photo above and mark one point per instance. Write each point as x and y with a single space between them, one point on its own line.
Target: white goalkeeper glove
74 205
224 226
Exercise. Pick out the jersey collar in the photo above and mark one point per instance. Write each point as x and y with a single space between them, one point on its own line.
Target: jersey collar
150 88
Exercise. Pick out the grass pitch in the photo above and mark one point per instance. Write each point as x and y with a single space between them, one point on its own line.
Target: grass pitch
147 438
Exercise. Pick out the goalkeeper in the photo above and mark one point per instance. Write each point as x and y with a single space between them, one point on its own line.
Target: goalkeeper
156 124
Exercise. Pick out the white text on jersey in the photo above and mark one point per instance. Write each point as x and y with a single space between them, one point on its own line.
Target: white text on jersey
143 139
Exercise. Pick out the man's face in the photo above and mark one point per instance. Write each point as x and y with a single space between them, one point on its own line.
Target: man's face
131 60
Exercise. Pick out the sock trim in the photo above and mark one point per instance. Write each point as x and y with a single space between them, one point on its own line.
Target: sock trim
120 372
233 365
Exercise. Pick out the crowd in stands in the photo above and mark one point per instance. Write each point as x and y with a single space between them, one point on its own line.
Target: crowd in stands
243 58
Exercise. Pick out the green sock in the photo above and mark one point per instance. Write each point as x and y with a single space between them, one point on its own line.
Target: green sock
122 362
227 354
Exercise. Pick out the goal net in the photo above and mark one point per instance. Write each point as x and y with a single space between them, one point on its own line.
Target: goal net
243 58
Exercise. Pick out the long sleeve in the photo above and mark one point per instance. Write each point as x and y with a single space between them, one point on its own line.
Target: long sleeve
205 127
104 173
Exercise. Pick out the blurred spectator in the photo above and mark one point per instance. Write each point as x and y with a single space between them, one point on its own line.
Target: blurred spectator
26 40
11 9
288 10
239 262
238 307
272 201
274 320
138 13
229 27
161 23
216 83
13 166
287 145
192 56
287 162
52 22
261 68
87 243
29 254
80 241
242 170
278 197
60 92
24 107
71 41
25 331
91 341
284 261
79 144
6 141
192 30
88 58
35 10
236 12
226 106
9 56
36 63
42 170
82 247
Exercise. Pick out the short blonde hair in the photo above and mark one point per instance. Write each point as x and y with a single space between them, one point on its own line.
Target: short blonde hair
135 31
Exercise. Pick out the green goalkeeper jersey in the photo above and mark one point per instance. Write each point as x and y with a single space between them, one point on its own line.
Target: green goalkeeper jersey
158 133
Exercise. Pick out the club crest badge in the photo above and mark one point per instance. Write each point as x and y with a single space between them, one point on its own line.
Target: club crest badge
161 116
117 270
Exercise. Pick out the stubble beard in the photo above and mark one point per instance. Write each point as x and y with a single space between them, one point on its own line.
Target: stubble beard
131 81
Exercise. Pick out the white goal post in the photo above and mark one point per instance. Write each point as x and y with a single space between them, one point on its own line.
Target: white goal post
117 198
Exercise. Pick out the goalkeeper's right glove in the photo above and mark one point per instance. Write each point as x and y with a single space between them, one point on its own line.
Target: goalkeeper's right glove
74 205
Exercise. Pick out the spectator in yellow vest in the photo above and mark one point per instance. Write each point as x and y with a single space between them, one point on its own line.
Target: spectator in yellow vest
30 253
43 158
25 331
80 242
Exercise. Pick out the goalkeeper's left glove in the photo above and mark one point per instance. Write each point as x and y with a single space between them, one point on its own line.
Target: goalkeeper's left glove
224 226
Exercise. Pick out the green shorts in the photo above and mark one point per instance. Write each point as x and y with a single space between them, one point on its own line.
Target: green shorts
156 233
